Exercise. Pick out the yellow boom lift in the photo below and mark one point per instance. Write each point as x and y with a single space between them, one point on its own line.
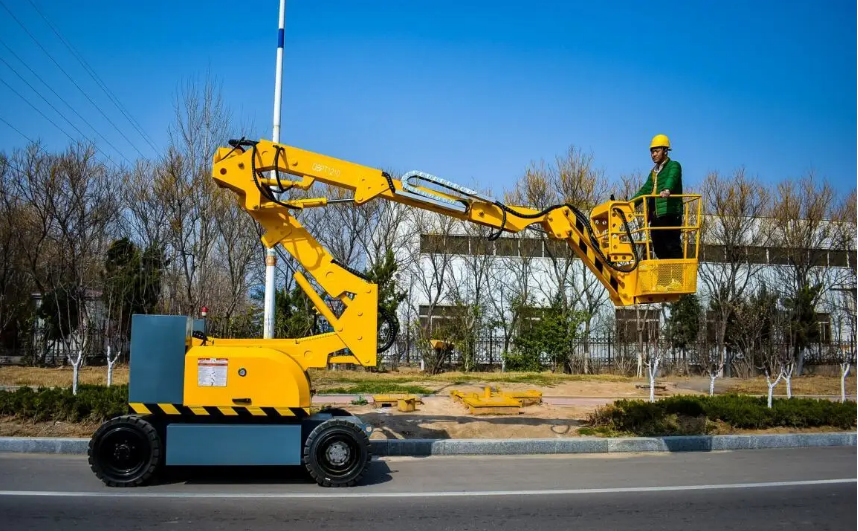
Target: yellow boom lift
201 401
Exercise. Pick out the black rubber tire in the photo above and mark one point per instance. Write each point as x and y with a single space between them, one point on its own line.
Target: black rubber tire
347 435
125 451
385 340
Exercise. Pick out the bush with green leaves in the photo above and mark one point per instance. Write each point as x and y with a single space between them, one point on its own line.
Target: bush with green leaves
94 403
550 331
698 415
524 362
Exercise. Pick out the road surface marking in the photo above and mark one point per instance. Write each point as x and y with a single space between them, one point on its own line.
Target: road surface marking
438 494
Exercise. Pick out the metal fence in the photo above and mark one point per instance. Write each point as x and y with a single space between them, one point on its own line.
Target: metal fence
38 350
596 355
607 355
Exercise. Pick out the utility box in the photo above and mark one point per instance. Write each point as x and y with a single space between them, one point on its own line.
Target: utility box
157 361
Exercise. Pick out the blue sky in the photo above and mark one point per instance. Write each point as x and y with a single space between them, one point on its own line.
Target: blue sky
470 91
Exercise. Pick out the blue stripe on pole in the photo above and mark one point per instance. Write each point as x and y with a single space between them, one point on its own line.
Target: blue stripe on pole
280 38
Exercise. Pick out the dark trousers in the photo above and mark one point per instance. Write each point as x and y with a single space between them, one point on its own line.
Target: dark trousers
666 243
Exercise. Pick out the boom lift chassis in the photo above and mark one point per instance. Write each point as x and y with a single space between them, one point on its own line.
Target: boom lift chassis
196 400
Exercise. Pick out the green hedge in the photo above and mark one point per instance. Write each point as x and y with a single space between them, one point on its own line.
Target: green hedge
92 403
697 415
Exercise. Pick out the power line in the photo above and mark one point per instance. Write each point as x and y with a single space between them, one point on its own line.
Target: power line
57 110
71 79
98 80
30 140
54 123
7 160
37 110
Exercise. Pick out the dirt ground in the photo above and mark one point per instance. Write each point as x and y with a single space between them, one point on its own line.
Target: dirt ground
570 388
569 399
442 418
10 427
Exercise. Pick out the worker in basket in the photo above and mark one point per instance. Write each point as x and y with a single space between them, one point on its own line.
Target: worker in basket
665 179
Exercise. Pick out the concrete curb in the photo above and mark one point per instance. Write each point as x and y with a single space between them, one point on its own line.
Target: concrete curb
43 445
691 443
430 447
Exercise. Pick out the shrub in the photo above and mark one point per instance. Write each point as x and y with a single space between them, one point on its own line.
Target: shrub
647 419
689 415
525 362
690 406
92 403
738 411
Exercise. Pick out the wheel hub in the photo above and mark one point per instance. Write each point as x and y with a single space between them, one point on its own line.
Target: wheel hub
338 453
122 452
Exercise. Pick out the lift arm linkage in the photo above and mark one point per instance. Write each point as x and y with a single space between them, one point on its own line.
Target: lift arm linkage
603 241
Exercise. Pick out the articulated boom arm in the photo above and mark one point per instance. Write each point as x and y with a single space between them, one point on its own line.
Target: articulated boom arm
602 241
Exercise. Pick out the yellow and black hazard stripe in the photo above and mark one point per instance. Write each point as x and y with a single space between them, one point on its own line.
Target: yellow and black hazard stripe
591 254
180 410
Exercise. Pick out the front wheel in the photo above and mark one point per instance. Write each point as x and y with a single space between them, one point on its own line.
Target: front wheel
125 451
337 453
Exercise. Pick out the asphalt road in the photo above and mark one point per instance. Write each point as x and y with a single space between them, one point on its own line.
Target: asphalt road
791 489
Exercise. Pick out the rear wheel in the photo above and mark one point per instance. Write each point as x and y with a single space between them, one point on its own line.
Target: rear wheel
388 328
337 453
125 451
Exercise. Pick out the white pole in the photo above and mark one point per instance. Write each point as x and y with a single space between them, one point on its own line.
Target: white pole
270 255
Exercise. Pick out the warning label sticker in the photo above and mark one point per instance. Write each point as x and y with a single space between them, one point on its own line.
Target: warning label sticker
211 372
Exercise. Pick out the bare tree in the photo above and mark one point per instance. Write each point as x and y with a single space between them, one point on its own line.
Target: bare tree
339 227
468 284
713 365
512 293
235 251
845 286
572 179
385 228
758 329
627 185
144 205
81 210
649 352
187 190
428 274
844 324
731 229
14 283
846 361
510 278
802 230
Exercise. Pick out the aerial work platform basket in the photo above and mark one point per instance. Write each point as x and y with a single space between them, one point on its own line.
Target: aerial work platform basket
658 279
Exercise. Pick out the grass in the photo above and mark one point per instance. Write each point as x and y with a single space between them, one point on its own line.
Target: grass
379 388
544 379
600 431
323 378
407 380
60 376
801 385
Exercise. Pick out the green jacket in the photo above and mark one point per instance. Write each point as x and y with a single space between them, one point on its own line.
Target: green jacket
669 178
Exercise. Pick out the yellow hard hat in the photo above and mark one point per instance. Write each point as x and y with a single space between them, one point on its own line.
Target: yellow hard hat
660 141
